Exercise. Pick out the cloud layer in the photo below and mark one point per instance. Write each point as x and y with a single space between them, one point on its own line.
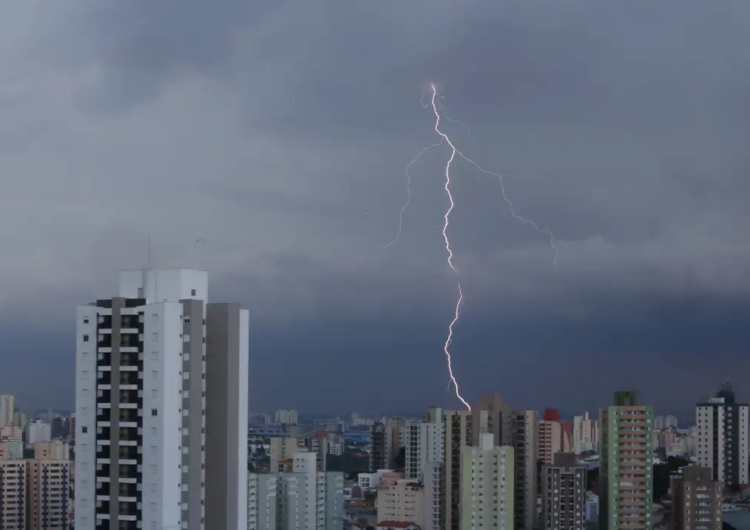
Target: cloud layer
279 133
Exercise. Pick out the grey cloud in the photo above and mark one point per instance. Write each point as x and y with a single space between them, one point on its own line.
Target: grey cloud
279 133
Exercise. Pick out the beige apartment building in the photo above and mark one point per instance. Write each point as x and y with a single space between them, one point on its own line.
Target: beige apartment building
550 440
35 493
49 482
402 502
13 495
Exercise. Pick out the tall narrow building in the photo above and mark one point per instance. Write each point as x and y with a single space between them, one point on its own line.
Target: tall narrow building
425 442
487 493
142 398
626 464
498 417
525 436
7 409
459 433
564 494
49 481
723 437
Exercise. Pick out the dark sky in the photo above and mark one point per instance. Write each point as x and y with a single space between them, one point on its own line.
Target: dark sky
279 131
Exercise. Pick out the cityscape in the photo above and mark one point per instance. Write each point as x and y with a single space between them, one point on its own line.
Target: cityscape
374 265
162 438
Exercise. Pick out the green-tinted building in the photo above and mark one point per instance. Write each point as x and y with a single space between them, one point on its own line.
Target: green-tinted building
626 464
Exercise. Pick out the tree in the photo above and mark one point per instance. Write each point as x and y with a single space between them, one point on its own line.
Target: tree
662 472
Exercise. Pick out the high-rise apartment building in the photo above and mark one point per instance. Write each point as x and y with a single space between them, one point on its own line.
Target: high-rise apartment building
459 433
525 437
487 492
585 434
13 494
696 500
304 499
151 365
425 442
626 464
385 443
550 440
564 494
49 481
7 409
723 437
496 416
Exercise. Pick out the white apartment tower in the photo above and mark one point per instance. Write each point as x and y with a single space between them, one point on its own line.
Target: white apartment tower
425 442
487 492
303 499
585 434
723 437
161 407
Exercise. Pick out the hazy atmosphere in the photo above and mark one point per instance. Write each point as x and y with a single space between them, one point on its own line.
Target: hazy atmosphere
279 132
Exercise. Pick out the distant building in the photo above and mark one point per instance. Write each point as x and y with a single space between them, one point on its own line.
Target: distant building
49 486
550 440
38 431
670 422
525 444
696 499
625 464
564 494
585 434
385 443
487 485
723 437
402 501
302 499
13 494
287 417
7 409
459 427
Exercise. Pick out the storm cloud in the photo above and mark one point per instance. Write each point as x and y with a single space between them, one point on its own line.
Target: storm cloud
279 132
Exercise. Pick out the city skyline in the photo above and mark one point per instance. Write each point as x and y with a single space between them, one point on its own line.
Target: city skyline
289 167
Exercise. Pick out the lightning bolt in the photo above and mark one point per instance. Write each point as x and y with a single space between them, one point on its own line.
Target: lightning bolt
408 193
446 224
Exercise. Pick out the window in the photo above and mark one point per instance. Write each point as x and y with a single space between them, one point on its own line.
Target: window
153 412
193 292
186 338
85 374
154 337
84 430
154 393
86 320
155 355
153 450
85 338
154 317
154 375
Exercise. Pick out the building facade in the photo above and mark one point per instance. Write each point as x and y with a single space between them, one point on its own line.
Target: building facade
142 401
626 464
305 499
525 436
487 492
550 440
49 486
564 494
696 499
403 502
723 437
585 434
459 433
7 409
